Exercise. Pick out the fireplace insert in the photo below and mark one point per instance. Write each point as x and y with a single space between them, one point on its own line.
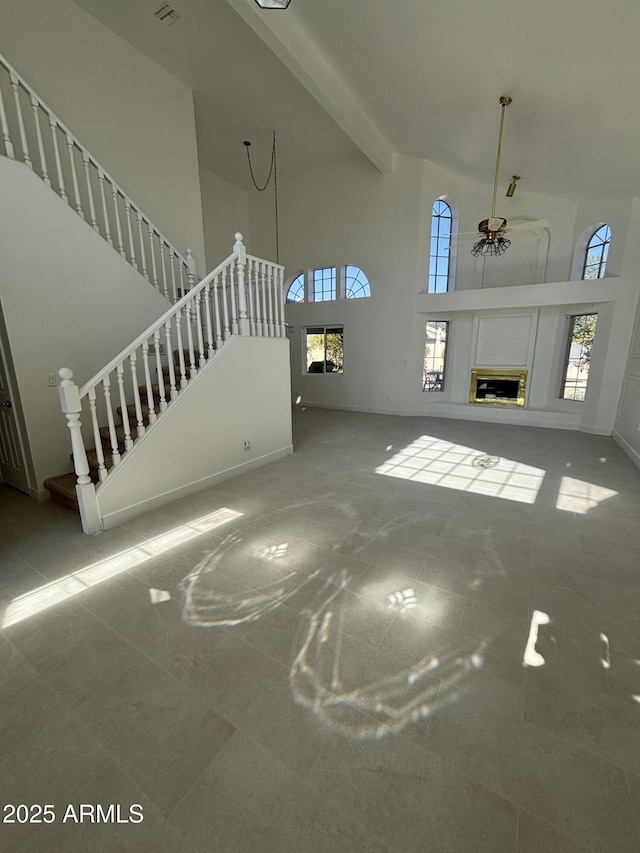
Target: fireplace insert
498 386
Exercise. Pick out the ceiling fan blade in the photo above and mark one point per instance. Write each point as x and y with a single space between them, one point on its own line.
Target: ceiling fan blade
529 226
522 237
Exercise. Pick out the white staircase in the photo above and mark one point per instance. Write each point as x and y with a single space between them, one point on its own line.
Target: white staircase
137 393
35 136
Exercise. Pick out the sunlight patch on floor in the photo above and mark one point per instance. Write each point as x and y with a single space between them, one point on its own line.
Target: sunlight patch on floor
44 597
436 462
580 496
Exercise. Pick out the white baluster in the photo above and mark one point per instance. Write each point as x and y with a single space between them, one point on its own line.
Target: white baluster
128 441
140 427
207 312
113 436
116 211
226 332
173 391
251 274
85 490
279 304
283 325
160 375
143 256
23 136
102 468
105 213
191 270
35 106
232 291
163 267
201 358
147 378
256 284
56 153
216 308
265 284
74 176
92 207
241 263
154 268
271 324
8 144
132 249
193 370
183 369
173 278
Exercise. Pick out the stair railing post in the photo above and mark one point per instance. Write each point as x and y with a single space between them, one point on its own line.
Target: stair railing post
85 490
241 262
191 269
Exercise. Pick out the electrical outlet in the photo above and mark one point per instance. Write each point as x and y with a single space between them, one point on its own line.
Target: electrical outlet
246 444
51 380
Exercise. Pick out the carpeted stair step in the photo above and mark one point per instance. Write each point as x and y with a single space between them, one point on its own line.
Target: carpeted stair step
106 439
63 489
133 418
92 459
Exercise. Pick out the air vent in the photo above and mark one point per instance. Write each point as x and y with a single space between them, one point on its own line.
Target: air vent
167 15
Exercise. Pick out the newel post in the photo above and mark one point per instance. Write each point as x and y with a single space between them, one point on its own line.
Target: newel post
241 262
191 269
85 490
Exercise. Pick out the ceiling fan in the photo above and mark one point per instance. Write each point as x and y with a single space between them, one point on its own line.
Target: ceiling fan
492 232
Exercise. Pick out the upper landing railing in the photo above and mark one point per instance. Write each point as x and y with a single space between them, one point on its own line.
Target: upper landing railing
35 136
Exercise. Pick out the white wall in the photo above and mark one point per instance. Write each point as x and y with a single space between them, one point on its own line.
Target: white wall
69 300
346 212
243 394
225 210
133 116
627 426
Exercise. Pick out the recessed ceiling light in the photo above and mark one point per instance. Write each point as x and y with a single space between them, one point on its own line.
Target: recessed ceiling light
273 4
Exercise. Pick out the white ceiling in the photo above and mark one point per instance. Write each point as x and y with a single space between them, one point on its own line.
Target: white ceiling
408 76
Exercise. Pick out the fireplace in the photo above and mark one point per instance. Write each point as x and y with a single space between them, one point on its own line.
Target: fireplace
498 386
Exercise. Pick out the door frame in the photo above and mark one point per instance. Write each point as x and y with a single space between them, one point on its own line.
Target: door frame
21 427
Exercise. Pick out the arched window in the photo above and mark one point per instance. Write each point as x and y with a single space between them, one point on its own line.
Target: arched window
296 289
439 254
595 259
356 284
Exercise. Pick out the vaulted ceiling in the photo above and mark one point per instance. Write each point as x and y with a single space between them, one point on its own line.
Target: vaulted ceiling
407 77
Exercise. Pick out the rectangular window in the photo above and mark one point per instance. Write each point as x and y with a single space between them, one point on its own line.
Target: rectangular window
435 355
582 331
324 349
324 284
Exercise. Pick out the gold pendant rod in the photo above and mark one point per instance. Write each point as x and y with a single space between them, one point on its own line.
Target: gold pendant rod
505 100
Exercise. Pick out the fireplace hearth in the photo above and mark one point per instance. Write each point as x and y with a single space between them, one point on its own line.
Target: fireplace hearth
498 386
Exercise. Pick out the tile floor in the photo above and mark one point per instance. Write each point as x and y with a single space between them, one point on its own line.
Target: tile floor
326 654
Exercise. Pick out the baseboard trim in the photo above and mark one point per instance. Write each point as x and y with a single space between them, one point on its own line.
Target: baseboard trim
624 445
364 409
121 516
40 495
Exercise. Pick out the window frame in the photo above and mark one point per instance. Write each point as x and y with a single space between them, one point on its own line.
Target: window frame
567 360
321 329
440 236
601 248
295 278
437 384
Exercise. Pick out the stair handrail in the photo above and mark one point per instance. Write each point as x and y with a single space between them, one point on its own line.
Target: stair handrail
186 262
150 331
242 296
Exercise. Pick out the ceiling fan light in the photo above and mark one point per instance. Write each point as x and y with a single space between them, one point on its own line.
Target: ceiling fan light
490 247
273 4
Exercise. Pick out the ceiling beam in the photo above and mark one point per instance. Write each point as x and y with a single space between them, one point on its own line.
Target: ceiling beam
282 33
